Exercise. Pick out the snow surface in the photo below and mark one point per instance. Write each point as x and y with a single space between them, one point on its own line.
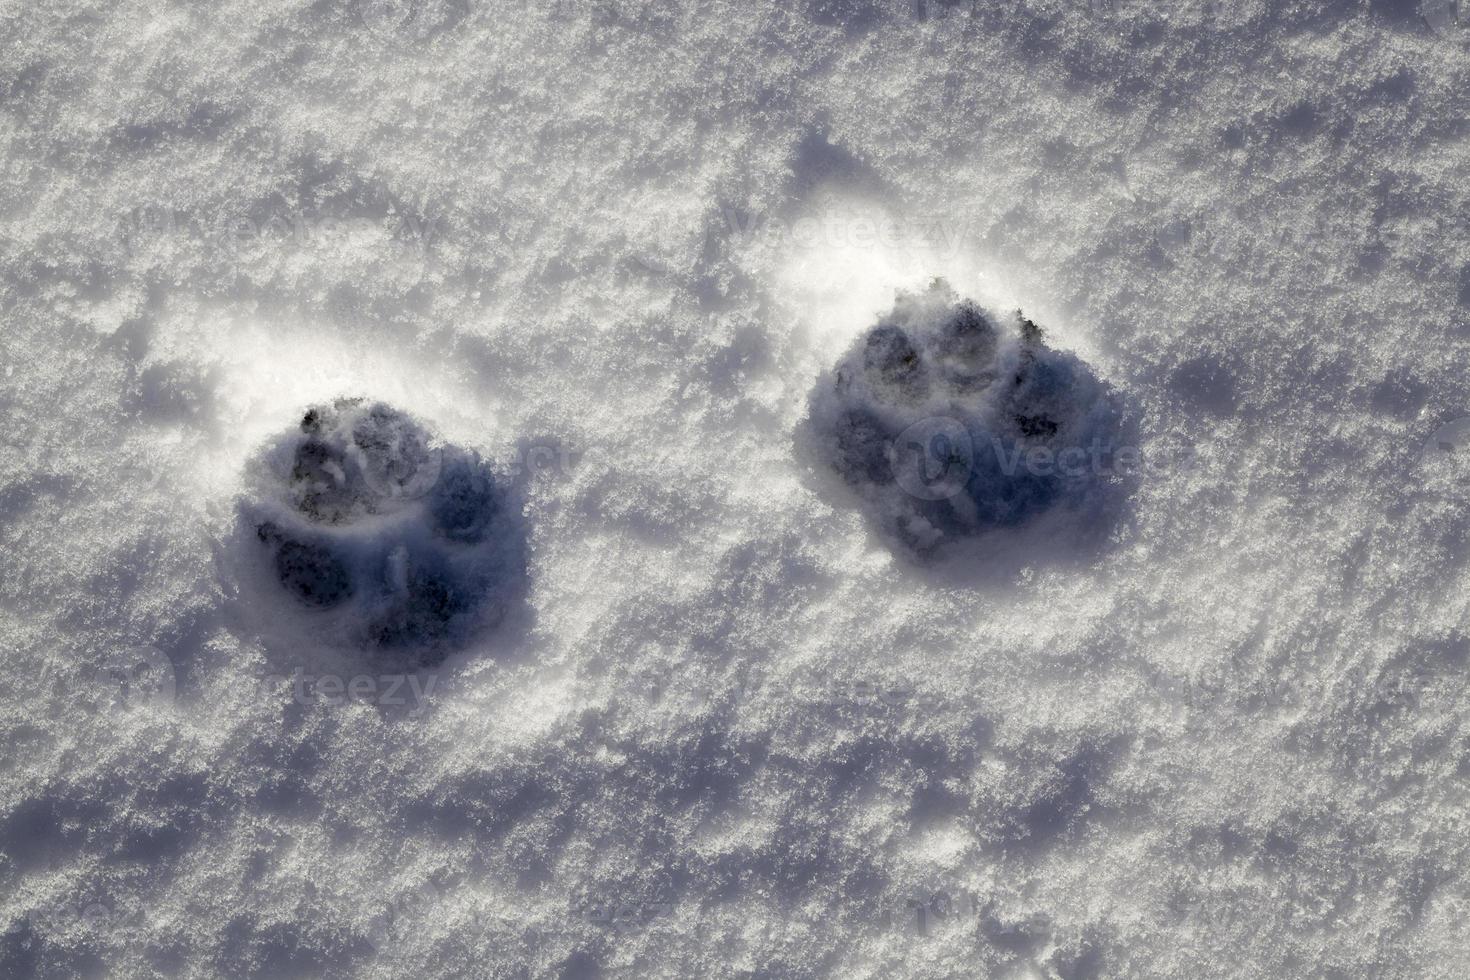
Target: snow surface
611 245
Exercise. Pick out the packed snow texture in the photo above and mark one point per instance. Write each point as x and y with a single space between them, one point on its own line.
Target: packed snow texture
949 421
611 246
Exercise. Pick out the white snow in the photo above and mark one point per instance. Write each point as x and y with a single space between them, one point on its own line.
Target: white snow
1230 743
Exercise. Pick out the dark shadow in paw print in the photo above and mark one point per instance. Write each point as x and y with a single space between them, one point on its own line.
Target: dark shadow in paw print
463 502
892 364
949 422
307 570
363 535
